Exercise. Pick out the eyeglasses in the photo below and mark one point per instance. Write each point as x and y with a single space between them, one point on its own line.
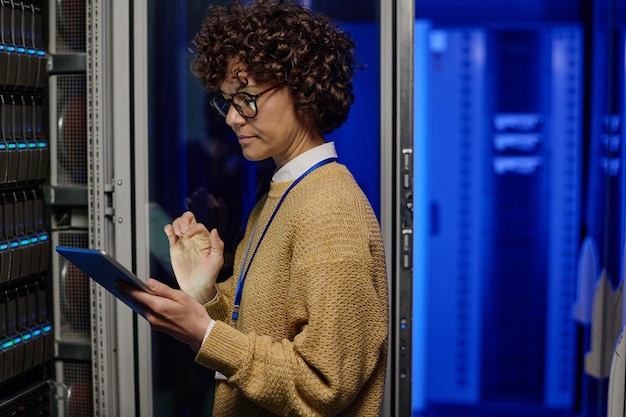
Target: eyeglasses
244 103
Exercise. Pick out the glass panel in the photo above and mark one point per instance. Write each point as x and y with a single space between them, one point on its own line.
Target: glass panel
194 154
526 245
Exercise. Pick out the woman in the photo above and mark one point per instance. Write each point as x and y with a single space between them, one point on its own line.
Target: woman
301 328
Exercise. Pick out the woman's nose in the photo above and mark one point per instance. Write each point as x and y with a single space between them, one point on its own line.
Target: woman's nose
233 117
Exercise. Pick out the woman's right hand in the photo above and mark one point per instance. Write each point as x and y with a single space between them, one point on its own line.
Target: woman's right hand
197 256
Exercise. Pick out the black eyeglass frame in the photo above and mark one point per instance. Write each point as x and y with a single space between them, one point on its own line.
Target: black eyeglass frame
231 102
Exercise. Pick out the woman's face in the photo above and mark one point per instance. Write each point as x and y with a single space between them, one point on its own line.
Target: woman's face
278 131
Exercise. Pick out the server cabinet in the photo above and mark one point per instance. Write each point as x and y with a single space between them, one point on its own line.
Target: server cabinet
26 322
96 143
505 179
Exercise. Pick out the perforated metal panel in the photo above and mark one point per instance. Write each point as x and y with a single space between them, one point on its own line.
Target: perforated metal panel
77 400
69 178
71 130
74 312
70 26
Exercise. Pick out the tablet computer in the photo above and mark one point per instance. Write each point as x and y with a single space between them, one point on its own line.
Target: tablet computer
105 270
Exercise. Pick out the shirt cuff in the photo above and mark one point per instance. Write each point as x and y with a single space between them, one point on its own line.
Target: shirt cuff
208 330
215 297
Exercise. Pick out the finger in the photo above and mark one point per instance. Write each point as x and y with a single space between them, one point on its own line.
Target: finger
169 232
198 233
161 289
134 294
217 244
183 223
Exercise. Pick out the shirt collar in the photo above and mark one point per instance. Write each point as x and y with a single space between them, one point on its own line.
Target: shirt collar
297 166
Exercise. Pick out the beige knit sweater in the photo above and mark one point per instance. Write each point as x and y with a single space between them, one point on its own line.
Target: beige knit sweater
312 334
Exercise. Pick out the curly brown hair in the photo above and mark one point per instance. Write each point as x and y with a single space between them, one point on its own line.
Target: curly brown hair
281 41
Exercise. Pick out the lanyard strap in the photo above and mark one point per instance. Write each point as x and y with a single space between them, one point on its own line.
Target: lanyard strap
242 274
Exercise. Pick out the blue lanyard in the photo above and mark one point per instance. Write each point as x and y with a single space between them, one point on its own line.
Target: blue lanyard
242 274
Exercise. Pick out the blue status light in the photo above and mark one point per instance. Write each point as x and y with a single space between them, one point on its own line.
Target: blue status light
13 341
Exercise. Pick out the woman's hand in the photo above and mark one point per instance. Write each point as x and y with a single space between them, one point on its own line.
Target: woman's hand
171 311
197 256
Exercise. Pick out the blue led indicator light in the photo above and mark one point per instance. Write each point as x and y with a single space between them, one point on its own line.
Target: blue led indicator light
26 337
42 145
21 50
34 239
7 344
21 145
30 51
43 237
32 145
11 48
36 332
12 145
40 53
4 246
14 245
47 328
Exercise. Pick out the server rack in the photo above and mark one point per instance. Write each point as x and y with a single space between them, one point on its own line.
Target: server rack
26 323
68 155
97 199
506 137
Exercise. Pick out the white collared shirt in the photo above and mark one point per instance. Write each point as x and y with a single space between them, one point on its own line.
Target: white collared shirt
298 165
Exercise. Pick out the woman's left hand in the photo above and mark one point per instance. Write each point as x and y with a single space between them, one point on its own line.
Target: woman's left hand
171 311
